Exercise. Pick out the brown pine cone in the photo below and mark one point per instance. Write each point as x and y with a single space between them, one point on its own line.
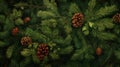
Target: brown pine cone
116 18
26 40
42 51
77 20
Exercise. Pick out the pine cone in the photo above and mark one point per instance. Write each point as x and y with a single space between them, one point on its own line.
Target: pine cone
15 31
26 40
42 51
77 20
116 18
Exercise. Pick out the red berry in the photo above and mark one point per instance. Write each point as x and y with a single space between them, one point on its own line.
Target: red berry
98 51
15 31
27 19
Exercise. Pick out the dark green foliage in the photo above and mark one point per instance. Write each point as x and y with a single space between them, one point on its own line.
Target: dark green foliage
51 23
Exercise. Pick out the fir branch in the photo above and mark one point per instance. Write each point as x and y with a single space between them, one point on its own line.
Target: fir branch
104 11
68 29
82 38
49 22
46 30
90 11
25 62
73 9
9 51
54 56
8 25
117 54
14 63
103 24
108 58
66 50
68 40
4 34
45 14
51 6
36 36
26 52
106 36
21 4
79 54
76 41
91 5
2 44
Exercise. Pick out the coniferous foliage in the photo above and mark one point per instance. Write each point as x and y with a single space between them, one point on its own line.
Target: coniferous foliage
59 33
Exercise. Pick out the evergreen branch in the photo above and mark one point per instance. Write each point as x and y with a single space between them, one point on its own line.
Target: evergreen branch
81 37
2 44
73 9
66 50
76 40
90 11
45 14
9 51
104 11
35 35
104 24
4 34
106 36
51 6
28 5
91 5
108 58
25 62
